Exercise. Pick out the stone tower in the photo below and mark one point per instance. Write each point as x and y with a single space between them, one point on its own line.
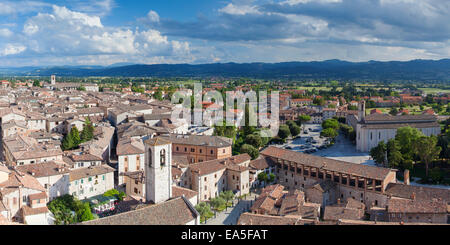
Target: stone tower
53 80
362 111
158 170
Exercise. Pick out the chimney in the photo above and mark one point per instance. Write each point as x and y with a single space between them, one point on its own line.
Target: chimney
338 201
406 177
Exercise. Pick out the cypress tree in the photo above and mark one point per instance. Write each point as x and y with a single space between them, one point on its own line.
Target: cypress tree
75 135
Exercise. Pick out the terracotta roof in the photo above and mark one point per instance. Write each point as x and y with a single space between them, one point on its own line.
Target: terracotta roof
27 211
85 157
180 191
264 203
337 213
177 211
400 205
419 192
43 169
17 179
128 146
258 219
261 163
41 195
81 173
157 141
199 140
377 173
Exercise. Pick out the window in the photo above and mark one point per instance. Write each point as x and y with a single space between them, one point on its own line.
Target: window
185 149
135 182
24 199
205 178
192 149
135 190
212 152
206 187
223 151
90 179
200 150
103 177
178 148
138 158
126 159
150 157
162 156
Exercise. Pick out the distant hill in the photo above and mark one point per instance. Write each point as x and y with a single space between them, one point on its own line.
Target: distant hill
416 70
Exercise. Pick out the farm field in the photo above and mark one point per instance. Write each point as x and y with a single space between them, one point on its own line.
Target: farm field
318 88
434 90
412 109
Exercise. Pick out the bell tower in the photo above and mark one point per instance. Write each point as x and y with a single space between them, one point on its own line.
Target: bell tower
158 170
361 110
53 79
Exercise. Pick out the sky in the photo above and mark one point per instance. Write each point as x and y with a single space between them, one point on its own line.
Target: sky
106 32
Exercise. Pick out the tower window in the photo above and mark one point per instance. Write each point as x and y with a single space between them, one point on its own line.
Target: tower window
149 157
163 157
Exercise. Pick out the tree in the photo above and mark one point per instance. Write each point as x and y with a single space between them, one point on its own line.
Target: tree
254 140
203 209
88 131
249 149
61 208
405 137
378 153
302 119
427 150
295 130
81 88
75 135
84 212
36 83
393 111
284 132
67 142
158 95
393 153
262 177
330 123
329 132
217 202
271 178
115 193
227 195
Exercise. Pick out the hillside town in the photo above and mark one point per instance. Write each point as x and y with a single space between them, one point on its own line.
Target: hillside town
88 154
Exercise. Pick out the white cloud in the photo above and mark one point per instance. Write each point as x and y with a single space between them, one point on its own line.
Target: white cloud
153 16
11 49
21 7
76 18
239 9
67 33
4 32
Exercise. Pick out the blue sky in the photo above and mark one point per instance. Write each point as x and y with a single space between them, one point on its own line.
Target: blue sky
104 32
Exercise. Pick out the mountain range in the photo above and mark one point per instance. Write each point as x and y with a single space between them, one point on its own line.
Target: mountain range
414 70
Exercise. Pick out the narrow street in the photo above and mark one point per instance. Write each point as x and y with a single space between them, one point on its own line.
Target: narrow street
231 216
